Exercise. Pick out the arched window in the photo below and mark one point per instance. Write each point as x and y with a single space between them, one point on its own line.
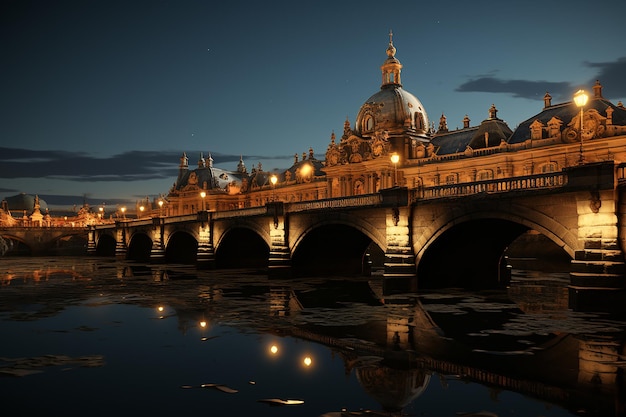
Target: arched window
368 124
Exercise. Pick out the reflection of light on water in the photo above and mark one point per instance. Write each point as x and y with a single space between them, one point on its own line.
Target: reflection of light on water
273 349
203 324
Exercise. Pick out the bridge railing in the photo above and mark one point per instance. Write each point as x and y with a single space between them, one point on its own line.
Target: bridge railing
501 185
334 203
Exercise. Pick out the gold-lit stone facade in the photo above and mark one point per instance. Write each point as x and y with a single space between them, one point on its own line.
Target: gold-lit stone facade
394 122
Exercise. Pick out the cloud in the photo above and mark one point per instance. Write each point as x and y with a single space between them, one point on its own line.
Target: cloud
82 167
611 76
517 88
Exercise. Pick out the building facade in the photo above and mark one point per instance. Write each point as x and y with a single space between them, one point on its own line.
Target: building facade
392 143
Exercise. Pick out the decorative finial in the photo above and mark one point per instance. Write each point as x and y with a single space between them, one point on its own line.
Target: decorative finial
391 50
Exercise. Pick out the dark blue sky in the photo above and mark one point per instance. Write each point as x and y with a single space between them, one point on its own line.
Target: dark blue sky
100 98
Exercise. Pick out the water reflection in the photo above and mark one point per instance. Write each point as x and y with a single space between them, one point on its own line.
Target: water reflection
316 346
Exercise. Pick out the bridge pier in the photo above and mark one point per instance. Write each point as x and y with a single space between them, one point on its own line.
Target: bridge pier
205 256
279 263
91 240
120 241
157 252
399 273
598 271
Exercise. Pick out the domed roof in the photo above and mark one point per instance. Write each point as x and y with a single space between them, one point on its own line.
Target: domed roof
23 201
392 109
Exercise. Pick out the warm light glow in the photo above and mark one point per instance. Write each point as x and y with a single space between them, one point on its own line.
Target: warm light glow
580 98
160 309
307 361
273 349
202 194
273 179
306 170
203 324
123 209
395 158
160 203
141 208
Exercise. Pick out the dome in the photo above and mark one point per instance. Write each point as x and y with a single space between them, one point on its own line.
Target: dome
392 109
22 201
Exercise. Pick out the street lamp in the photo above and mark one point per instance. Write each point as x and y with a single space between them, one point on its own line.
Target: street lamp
580 98
273 180
123 209
203 194
160 207
395 158
141 209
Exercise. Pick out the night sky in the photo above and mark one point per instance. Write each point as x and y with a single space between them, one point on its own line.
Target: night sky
100 98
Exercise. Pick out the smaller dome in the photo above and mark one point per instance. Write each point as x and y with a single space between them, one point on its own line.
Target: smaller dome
23 201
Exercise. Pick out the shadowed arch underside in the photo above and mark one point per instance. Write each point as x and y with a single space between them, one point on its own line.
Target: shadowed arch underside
332 249
242 248
468 255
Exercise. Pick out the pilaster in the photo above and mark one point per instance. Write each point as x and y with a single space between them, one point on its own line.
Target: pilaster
205 256
91 240
157 253
399 275
279 263
120 240
598 272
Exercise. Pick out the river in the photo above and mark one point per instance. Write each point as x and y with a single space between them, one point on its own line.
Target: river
100 337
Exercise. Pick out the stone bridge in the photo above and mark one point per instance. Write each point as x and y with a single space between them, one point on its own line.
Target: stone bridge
60 240
445 235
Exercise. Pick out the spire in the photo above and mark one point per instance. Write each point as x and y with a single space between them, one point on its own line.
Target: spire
241 167
443 124
210 161
597 89
391 67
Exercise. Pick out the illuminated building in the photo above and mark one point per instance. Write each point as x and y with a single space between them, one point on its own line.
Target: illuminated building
393 122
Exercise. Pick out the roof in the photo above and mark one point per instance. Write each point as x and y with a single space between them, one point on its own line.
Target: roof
565 112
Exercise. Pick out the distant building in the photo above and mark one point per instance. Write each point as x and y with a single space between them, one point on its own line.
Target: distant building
393 121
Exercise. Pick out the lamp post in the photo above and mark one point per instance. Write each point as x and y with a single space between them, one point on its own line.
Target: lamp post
273 180
203 195
580 98
395 158
141 209
160 207
123 209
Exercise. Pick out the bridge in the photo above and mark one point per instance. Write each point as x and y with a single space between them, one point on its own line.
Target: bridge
443 235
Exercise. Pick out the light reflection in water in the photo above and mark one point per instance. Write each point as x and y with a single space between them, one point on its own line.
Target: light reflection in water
252 338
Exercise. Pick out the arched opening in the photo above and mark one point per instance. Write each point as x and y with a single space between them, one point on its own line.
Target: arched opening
469 255
242 248
14 247
333 249
181 248
139 248
106 246
70 245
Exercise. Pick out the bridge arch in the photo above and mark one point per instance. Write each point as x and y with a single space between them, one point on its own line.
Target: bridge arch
139 246
333 247
105 245
181 247
475 239
242 246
